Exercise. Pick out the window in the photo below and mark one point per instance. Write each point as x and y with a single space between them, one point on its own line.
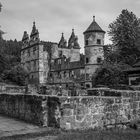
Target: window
64 73
59 61
45 73
87 60
32 77
23 52
28 52
60 53
72 73
66 85
34 64
99 60
59 75
99 41
86 42
34 49
87 85
50 74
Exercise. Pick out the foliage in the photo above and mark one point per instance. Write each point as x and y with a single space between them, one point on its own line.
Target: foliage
16 75
124 32
9 54
112 134
10 60
125 35
109 75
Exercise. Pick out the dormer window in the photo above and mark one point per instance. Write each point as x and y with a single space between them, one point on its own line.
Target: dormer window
98 41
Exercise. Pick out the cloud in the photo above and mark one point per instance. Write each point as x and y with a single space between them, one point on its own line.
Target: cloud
55 16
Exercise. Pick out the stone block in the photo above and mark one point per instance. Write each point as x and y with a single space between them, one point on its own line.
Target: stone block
67 112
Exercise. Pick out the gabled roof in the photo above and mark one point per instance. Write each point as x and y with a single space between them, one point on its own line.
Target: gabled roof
94 27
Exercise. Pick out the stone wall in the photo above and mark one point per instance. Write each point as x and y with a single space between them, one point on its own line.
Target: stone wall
34 109
114 108
24 107
103 109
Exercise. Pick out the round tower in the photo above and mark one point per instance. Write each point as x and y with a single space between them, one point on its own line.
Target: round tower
94 55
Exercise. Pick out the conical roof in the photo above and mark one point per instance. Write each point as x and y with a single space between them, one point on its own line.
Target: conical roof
94 27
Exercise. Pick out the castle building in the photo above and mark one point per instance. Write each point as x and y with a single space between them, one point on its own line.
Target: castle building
61 63
34 56
94 54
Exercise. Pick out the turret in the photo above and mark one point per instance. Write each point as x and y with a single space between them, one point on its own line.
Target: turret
62 42
34 36
94 41
73 41
25 39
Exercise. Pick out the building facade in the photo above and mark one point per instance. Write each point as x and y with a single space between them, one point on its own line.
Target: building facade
61 63
35 56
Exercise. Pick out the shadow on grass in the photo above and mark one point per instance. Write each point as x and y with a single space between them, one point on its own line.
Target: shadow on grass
115 134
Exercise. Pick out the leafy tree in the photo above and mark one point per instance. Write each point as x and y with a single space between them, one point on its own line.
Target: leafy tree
16 75
109 75
124 32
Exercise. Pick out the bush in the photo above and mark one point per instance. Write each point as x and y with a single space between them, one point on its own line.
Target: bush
17 74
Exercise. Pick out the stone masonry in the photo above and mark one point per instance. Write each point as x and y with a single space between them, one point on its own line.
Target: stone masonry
105 108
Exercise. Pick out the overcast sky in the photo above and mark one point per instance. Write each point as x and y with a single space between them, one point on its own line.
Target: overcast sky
53 17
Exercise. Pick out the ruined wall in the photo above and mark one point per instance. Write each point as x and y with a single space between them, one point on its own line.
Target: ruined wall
99 111
39 110
105 108
43 65
24 107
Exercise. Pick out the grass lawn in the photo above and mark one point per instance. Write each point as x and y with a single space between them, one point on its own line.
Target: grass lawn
129 134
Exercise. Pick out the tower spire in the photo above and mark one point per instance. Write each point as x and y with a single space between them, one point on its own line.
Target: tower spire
93 18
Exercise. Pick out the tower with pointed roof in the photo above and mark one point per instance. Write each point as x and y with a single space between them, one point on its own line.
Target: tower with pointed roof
25 39
34 56
94 41
74 47
62 43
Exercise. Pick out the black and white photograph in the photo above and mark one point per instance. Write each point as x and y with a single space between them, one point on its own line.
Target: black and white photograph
69 69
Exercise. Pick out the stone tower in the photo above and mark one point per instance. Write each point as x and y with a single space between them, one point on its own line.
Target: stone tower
94 41
34 57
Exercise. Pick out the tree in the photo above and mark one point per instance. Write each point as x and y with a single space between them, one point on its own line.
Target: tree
124 32
16 74
109 75
1 32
